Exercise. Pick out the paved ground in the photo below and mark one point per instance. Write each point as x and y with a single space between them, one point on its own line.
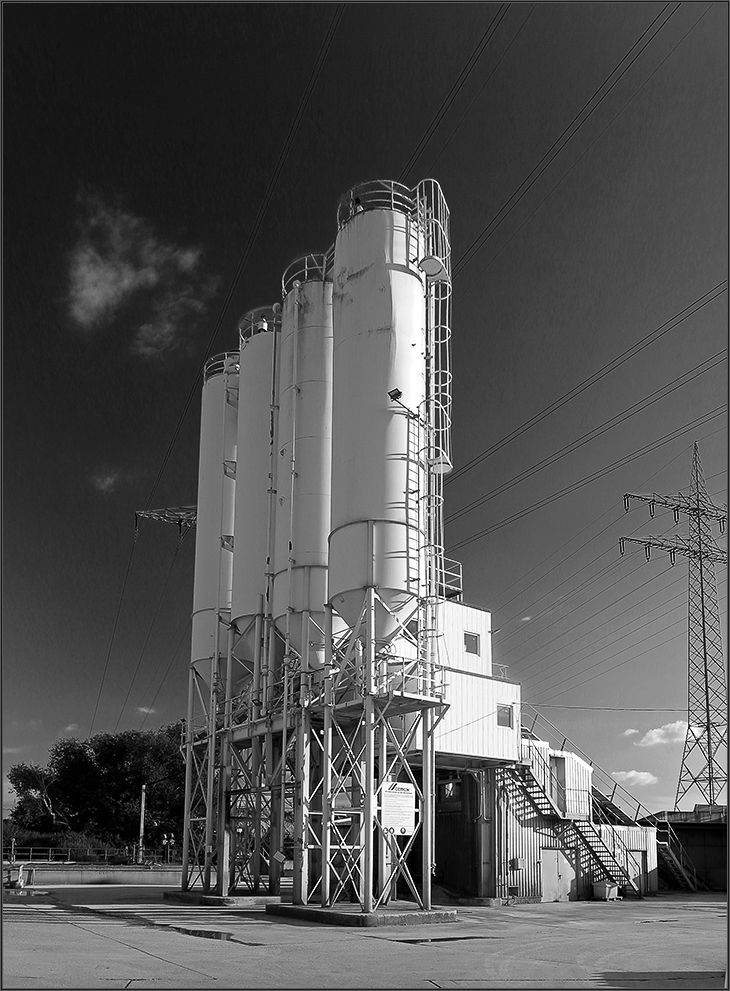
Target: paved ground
121 937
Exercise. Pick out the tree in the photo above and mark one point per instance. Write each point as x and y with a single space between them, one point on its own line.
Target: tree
95 785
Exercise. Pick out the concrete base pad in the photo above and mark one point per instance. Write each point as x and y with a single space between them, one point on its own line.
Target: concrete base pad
238 901
395 914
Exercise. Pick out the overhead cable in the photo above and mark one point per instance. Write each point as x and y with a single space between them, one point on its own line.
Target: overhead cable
640 452
646 341
463 291
455 89
580 118
654 397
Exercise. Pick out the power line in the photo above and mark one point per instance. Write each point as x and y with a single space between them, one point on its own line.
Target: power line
481 272
481 88
604 708
168 669
654 397
455 89
666 439
596 520
564 137
152 623
631 352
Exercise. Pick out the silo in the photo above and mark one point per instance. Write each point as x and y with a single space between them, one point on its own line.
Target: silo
379 392
304 455
256 436
215 512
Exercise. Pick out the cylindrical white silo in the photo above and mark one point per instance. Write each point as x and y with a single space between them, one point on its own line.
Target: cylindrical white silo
304 455
379 348
256 432
215 512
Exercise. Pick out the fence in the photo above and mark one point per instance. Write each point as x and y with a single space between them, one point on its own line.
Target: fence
89 855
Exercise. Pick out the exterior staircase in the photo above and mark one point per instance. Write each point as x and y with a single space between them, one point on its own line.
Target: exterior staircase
676 861
613 861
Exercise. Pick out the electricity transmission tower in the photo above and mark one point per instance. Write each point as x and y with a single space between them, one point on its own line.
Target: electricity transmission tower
704 761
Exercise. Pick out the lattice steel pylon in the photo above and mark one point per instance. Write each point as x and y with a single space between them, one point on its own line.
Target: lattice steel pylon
704 761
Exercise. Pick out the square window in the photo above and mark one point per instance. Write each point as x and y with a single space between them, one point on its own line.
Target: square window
504 715
471 643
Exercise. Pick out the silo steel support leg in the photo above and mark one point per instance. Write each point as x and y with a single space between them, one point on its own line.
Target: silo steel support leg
327 760
428 789
301 810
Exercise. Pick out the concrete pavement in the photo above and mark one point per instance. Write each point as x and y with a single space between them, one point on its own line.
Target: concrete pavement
123 937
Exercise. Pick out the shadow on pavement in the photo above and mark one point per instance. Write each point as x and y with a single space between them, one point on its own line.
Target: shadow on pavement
658 980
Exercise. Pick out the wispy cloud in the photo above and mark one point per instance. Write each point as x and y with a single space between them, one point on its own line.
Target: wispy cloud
669 733
525 619
70 728
12 750
145 709
630 732
105 481
119 259
640 778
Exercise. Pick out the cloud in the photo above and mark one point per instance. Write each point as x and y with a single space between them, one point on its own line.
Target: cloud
70 728
634 777
525 619
12 750
118 259
145 709
105 481
630 732
669 733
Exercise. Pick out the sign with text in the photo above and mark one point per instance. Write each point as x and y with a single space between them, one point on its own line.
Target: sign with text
398 814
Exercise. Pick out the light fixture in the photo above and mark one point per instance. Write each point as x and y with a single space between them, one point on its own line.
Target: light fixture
395 394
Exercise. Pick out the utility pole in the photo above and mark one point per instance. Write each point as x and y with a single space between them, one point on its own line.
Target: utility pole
140 853
704 761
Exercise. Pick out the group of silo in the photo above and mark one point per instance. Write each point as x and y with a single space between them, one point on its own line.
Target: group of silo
311 458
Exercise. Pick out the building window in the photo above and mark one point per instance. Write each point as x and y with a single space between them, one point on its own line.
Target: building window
448 795
471 643
504 715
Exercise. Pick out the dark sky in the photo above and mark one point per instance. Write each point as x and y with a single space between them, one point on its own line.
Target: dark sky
584 156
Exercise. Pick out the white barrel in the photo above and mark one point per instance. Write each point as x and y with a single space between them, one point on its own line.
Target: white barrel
379 347
256 421
215 513
304 456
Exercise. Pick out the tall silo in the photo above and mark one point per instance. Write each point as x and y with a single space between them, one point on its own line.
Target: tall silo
215 512
304 455
253 533
379 390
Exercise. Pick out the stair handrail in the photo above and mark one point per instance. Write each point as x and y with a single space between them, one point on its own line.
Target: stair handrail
628 861
620 796
555 790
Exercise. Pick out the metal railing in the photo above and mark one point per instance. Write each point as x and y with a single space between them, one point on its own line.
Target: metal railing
227 362
84 855
259 320
308 268
376 194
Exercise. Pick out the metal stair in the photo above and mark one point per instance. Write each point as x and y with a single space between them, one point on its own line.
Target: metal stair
613 864
605 858
676 861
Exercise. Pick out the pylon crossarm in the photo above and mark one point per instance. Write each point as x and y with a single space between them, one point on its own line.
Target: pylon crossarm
680 503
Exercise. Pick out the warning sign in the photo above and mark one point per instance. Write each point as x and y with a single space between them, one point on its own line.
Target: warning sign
399 808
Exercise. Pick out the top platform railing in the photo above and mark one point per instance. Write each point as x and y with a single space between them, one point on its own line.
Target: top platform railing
308 268
376 194
227 362
259 320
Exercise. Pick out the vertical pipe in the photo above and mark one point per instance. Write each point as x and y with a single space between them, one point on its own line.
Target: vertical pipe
140 853
185 872
383 851
256 694
327 759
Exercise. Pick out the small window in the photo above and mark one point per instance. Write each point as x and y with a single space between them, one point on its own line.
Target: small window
471 643
504 715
